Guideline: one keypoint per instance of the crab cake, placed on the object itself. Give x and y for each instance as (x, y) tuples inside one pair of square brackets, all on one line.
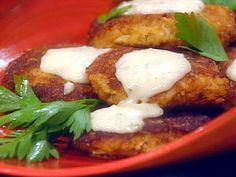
[(203, 85), (157, 30), (223, 67), (155, 133), (48, 87)]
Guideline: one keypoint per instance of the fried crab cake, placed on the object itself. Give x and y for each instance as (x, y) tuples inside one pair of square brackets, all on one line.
[(155, 133), (223, 66), (48, 87), (157, 30), (203, 85)]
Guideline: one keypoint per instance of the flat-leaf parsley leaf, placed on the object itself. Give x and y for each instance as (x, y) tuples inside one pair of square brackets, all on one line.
[(230, 3), (201, 35), (115, 12), (43, 122)]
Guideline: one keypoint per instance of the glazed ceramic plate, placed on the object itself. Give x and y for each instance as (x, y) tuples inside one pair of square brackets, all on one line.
[(28, 24)]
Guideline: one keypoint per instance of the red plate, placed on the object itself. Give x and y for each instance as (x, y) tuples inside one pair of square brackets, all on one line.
[(29, 24)]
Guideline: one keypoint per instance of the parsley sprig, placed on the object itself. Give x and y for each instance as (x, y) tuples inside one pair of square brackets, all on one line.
[(201, 35), (42, 122), (115, 12), (230, 3)]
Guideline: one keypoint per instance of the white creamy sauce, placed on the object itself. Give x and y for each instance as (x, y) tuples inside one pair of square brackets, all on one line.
[(68, 88), (148, 110), (163, 6), (143, 73), (231, 71), (70, 63), (127, 119)]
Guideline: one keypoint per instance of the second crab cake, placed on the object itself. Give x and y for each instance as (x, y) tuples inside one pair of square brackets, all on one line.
[(150, 23), (205, 84)]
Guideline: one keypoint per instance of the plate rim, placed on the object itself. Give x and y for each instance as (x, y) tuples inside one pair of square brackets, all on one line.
[(126, 163)]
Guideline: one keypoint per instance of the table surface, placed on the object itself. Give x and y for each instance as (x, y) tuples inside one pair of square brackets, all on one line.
[(221, 165)]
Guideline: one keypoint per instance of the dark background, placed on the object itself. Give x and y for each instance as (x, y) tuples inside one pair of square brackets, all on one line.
[(221, 165)]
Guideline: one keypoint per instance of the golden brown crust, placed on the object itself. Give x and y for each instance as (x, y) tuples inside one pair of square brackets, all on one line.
[(232, 84), (204, 85), (157, 30), (155, 133), (47, 87)]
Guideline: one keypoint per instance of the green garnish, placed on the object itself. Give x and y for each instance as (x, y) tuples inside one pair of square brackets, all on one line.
[(115, 12), (201, 35), (230, 3), (43, 122)]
